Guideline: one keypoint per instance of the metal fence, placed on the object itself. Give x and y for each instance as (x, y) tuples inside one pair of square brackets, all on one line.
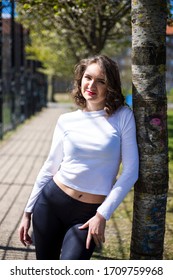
[(23, 88)]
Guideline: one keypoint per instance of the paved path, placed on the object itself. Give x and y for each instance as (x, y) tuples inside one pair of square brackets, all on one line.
[(21, 157)]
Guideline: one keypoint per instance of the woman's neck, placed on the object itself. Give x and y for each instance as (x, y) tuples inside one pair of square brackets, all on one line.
[(93, 107)]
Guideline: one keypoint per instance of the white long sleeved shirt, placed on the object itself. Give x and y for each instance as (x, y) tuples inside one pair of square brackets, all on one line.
[(86, 152)]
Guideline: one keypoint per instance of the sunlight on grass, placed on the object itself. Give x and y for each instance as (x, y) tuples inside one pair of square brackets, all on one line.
[(63, 98), (168, 251)]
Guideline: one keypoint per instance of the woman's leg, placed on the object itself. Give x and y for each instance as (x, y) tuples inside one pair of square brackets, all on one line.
[(74, 244), (56, 219), (48, 230)]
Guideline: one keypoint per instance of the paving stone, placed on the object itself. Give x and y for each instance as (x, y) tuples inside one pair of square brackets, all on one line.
[(21, 157)]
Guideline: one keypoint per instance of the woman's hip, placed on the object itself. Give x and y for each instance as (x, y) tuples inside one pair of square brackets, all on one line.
[(64, 206)]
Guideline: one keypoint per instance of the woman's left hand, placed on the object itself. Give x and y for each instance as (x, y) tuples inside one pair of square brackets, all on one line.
[(96, 230)]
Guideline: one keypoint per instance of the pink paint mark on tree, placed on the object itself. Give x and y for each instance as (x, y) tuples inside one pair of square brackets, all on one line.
[(155, 121)]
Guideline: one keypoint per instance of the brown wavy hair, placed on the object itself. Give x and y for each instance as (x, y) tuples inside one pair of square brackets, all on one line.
[(114, 96)]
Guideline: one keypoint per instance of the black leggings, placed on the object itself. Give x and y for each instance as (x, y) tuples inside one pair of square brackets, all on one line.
[(56, 218)]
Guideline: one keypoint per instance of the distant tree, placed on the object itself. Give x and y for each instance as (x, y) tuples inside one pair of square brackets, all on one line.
[(64, 31), (53, 53), (87, 27), (149, 19), (56, 60)]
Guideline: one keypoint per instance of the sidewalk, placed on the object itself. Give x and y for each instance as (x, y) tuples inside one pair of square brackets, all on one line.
[(21, 158)]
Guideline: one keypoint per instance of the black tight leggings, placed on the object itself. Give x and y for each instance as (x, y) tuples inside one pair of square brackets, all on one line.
[(56, 218)]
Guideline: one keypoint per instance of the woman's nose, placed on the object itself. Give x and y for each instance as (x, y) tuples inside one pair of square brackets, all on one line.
[(92, 84)]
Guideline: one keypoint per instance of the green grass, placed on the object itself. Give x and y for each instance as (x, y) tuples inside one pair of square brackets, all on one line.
[(63, 97), (168, 253), (170, 96), (170, 133), (7, 116)]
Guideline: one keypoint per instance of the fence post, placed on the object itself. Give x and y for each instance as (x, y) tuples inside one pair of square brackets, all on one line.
[(22, 77), (1, 93), (13, 84)]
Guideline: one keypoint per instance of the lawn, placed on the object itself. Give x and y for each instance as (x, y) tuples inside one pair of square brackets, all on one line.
[(168, 253)]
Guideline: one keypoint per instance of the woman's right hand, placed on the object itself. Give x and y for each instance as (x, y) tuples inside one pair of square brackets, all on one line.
[(24, 228)]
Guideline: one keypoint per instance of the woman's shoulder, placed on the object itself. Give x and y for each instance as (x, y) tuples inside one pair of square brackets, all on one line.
[(122, 117), (68, 116), (123, 111)]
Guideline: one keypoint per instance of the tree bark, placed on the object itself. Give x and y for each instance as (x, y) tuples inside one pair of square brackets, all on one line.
[(150, 109)]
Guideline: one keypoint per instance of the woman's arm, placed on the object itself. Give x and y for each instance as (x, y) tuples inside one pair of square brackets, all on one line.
[(130, 164), (24, 228), (50, 166)]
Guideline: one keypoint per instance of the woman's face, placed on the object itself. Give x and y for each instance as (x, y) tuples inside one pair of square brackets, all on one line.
[(94, 87)]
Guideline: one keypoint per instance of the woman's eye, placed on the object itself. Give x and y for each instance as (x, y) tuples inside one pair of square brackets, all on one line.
[(101, 82), (87, 77)]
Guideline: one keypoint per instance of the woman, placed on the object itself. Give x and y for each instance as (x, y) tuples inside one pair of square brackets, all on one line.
[(76, 190)]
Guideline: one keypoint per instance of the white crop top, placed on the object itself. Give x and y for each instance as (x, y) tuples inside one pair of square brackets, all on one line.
[(86, 153)]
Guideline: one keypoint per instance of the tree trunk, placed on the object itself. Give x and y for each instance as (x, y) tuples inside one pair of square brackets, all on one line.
[(150, 109)]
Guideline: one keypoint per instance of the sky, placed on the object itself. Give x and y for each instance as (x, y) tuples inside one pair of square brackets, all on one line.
[(171, 1), (6, 11)]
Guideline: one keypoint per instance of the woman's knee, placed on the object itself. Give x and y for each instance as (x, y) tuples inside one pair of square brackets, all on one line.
[(74, 244)]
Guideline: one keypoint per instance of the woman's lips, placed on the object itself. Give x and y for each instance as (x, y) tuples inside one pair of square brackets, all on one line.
[(90, 93)]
